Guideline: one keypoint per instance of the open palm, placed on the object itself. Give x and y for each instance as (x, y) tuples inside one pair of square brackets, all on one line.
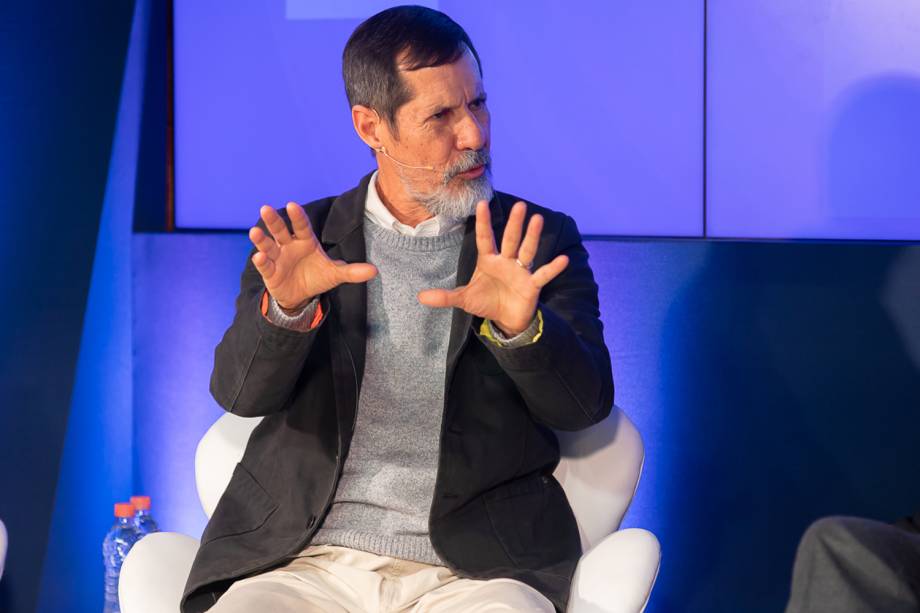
[(294, 267), (502, 288)]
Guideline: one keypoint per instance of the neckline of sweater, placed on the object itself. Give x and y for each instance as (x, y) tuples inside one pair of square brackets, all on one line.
[(415, 243)]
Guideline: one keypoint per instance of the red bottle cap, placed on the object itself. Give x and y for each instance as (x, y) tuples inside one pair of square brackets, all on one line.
[(124, 509), (141, 503)]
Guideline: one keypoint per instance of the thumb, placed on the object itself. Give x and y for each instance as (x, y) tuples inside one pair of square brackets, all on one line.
[(440, 298), (355, 273)]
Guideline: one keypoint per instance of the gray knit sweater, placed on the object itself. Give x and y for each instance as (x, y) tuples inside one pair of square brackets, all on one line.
[(384, 497)]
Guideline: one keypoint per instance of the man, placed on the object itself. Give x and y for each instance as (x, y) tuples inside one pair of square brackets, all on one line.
[(406, 456), (857, 565)]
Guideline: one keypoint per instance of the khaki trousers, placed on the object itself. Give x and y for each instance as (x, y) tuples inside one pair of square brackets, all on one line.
[(340, 580)]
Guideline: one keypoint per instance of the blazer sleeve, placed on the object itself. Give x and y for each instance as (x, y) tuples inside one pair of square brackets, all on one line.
[(564, 376), (257, 363)]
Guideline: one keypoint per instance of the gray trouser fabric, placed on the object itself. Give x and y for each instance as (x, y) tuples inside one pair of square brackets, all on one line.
[(854, 565)]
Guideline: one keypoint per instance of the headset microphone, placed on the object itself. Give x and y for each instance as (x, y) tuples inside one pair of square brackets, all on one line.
[(383, 150)]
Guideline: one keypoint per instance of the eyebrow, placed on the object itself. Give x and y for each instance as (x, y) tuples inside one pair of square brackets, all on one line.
[(433, 110)]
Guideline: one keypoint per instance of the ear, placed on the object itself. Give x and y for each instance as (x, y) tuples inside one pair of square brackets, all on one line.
[(368, 125)]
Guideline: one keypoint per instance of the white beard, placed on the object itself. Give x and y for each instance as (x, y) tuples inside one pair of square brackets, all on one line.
[(459, 203)]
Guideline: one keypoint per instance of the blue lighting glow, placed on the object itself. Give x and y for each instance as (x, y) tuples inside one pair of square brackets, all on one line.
[(97, 460)]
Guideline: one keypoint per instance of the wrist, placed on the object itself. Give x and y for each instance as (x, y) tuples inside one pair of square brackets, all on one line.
[(508, 331), (513, 329), (294, 309), (530, 335)]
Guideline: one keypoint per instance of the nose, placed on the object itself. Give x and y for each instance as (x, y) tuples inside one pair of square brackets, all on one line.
[(472, 132)]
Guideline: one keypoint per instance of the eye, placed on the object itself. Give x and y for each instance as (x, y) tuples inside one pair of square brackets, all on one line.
[(439, 115), (478, 103)]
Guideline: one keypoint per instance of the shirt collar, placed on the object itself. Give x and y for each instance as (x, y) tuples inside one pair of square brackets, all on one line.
[(377, 212)]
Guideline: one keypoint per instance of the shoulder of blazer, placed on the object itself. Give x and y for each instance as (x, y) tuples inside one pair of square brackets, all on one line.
[(317, 212), (554, 221)]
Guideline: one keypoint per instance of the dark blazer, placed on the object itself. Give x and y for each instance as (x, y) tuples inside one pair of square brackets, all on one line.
[(497, 511)]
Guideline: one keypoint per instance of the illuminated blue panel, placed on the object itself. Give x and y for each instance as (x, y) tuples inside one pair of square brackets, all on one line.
[(813, 127), (260, 112), (596, 111), (178, 320), (341, 9)]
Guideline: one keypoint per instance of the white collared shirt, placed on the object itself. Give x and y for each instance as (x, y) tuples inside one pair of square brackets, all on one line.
[(376, 211)]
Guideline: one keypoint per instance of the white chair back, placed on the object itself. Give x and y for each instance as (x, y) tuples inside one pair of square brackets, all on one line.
[(599, 470), (218, 452), (3, 542)]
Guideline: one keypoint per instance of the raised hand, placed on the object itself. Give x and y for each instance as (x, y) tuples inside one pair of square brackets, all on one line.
[(294, 267), (502, 289)]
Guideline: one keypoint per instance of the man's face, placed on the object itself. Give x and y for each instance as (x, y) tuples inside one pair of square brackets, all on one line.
[(445, 125)]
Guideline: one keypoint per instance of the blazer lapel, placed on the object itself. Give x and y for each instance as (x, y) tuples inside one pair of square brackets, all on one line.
[(343, 239)]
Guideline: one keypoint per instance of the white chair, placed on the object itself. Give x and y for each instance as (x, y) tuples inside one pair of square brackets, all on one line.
[(599, 471), (3, 542)]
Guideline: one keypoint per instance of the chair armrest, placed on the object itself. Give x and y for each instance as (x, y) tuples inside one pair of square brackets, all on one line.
[(617, 575), (154, 573)]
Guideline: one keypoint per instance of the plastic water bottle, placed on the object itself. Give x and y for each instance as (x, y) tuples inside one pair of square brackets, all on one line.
[(115, 548), (143, 520)]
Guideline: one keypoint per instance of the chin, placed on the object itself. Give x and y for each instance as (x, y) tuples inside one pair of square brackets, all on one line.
[(472, 191), (457, 198)]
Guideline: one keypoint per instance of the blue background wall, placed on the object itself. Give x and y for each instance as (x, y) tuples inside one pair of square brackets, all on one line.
[(61, 70), (773, 382)]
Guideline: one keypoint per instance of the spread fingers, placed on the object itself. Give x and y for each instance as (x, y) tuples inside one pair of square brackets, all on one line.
[(275, 225), (264, 243)]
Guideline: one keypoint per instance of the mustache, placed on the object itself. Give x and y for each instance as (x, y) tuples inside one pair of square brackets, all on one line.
[(468, 160)]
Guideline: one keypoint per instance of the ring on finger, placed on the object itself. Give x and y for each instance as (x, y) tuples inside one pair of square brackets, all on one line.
[(523, 265)]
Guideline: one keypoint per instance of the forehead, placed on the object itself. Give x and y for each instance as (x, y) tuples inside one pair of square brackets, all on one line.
[(447, 84)]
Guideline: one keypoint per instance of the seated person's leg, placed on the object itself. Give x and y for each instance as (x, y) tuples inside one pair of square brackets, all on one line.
[(274, 593), (474, 596), (307, 583), (850, 565)]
